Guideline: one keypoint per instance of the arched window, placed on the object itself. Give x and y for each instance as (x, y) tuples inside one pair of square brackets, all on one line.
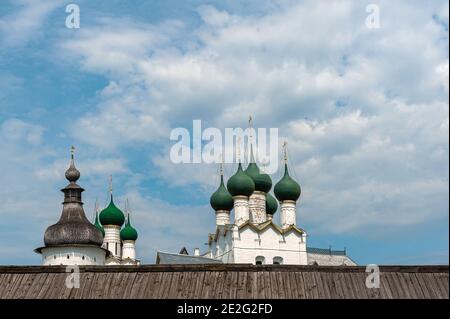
[(259, 260), (277, 260)]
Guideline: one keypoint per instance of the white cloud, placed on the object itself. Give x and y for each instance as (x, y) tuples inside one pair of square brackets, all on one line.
[(365, 111), (26, 23)]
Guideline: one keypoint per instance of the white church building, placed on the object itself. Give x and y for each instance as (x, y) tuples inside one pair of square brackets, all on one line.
[(253, 236)]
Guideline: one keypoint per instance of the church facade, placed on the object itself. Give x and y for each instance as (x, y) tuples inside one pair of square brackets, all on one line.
[(251, 235)]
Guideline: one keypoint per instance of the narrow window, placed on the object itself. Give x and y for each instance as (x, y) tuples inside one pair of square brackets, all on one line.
[(259, 260), (277, 260)]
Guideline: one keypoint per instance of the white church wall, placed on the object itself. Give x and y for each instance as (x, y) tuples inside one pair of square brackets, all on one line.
[(73, 256), (270, 245)]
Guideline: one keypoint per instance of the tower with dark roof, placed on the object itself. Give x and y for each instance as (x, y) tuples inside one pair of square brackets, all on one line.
[(73, 240)]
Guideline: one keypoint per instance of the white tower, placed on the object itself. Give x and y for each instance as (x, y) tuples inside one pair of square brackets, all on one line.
[(287, 191), (240, 186), (73, 240), (128, 235), (222, 202), (112, 219)]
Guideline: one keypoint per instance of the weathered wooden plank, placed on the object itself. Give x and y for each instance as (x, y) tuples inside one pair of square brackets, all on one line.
[(12, 284), (300, 285), (390, 280), (138, 285), (205, 282), (151, 286), (46, 286), (85, 286), (129, 283), (442, 284), (265, 281), (22, 287), (36, 286), (58, 285), (199, 283), (217, 293), (241, 285), (172, 291), (385, 289), (227, 284), (251, 286)]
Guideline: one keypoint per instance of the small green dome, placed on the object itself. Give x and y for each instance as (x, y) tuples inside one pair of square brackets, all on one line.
[(287, 188), (98, 225), (240, 183), (128, 232), (112, 215), (271, 204), (262, 181), (221, 199)]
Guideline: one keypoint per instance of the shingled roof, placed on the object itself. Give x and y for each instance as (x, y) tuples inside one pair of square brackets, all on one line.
[(223, 281)]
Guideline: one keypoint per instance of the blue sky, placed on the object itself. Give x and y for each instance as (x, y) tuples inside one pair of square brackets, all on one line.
[(365, 112)]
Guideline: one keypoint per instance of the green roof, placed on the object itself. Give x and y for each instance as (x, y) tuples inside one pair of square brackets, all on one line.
[(271, 204), (98, 225), (221, 199), (112, 215), (262, 181), (240, 183), (287, 188), (128, 232)]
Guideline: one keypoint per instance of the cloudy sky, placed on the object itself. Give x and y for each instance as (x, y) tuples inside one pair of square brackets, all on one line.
[(365, 112)]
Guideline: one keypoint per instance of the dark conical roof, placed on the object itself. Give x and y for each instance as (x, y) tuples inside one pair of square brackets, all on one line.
[(73, 228)]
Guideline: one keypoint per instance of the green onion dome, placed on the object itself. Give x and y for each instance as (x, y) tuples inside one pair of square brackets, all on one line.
[(221, 199), (240, 183), (287, 188), (98, 225), (112, 215), (262, 181), (271, 204), (128, 232)]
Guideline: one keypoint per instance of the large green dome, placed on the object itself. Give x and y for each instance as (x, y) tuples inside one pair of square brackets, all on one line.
[(262, 181), (112, 215), (240, 183), (271, 204), (221, 199), (128, 232), (287, 188), (98, 225)]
